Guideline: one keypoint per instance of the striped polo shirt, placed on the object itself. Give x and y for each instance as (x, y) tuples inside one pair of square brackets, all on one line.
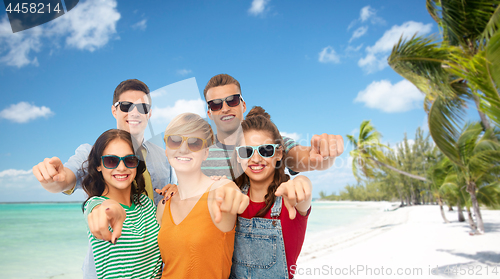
[(136, 253), (219, 157)]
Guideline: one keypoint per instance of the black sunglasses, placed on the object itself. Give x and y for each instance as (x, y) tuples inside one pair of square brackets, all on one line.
[(112, 161), (231, 101), (264, 150), (129, 106)]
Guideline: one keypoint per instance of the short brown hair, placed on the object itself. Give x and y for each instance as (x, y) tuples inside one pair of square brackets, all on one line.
[(130, 84), (220, 80)]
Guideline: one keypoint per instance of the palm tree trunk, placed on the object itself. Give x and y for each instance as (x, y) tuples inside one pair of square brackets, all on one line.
[(471, 188), (471, 221), (442, 211), (398, 171), (484, 119), (461, 217)]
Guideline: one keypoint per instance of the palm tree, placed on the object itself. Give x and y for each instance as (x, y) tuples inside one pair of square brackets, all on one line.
[(475, 161), (464, 64), (368, 154)]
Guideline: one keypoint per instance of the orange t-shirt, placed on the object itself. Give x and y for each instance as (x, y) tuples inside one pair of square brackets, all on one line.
[(195, 248)]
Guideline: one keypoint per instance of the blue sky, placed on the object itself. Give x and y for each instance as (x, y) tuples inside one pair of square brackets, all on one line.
[(316, 67)]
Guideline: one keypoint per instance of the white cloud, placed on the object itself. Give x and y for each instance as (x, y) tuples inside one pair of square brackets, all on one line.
[(258, 7), (164, 115), (376, 57), (349, 48), (141, 25), (400, 97), (333, 179), (22, 186), (89, 26), (16, 47), (294, 136), (328, 55), (365, 13), (24, 112), (14, 173), (184, 72), (359, 32)]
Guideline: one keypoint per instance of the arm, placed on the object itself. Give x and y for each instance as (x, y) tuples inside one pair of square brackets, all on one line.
[(296, 194), (101, 216), (319, 156), (53, 176), (225, 203)]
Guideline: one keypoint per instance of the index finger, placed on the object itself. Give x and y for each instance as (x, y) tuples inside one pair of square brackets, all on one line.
[(340, 145), (323, 146), (332, 145)]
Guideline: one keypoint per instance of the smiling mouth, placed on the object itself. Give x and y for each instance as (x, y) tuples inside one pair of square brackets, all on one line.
[(121, 177), (227, 118), (256, 168), (133, 122), (183, 159)]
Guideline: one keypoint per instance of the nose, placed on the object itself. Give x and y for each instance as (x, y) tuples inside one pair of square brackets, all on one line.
[(121, 166), (184, 147), (134, 111), (255, 157), (225, 107)]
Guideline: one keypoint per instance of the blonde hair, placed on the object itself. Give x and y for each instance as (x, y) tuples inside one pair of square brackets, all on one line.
[(188, 123)]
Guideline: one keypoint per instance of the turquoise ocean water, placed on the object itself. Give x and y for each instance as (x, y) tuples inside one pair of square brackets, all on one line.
[(48, 240)]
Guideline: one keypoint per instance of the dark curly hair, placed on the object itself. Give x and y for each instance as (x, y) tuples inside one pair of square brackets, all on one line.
[(93, 184), (258, 119)]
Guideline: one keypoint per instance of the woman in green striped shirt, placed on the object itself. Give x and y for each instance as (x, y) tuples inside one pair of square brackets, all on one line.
[(130, 249)]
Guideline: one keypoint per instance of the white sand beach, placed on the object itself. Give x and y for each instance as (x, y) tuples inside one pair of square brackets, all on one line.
[(408, 242)]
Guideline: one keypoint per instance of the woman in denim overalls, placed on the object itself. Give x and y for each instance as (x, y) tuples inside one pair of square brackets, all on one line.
[(269, 234)]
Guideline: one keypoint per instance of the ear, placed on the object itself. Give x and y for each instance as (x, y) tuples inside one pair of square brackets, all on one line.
[(98, 168), (206, 154), (209, 113), (244, 106), (113, 111), (279, 154), (150, 113)]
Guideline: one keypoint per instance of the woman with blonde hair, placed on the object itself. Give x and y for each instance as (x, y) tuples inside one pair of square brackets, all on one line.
[(196, 237)]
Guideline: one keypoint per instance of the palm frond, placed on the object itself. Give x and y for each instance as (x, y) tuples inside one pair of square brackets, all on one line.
[(464, 22), (480, 72), (491, 28), (445, 117), (420, 60)]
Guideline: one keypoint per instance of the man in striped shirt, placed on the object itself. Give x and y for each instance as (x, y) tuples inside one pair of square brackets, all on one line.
[(226, 107)]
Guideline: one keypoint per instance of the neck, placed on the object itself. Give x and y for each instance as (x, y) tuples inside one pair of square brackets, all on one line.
[(230, 138), (258, 190), (192, 184), (121, 196), (139, 138)]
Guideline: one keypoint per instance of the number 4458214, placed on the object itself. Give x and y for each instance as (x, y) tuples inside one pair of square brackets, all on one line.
[(32, 8)]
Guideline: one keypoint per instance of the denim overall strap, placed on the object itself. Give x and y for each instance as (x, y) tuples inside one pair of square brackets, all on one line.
[(259, 249), (276, 209), (245, 189)]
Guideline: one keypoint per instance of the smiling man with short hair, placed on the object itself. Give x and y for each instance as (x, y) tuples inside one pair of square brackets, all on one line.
[(226, 107)]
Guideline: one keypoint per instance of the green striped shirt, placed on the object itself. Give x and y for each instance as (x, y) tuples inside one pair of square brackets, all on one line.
[(136, 253)]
